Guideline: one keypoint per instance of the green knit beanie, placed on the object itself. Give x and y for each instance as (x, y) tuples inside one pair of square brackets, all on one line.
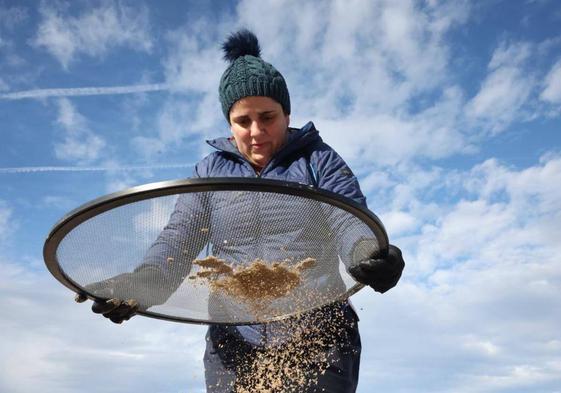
[(248, 75)]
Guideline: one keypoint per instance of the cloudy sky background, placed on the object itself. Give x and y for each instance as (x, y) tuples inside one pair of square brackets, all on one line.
[(448, 111)]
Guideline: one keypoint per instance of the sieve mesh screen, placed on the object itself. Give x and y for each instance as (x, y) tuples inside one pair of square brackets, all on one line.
[(261, 237)]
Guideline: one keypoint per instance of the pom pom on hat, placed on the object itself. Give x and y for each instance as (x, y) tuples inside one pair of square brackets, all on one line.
[(248, 75), (241, 43)]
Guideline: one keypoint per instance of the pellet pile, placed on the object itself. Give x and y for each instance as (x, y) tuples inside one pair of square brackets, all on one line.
[(258, 281)]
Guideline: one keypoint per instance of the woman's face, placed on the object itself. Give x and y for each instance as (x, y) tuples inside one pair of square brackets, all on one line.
[(259, 126)]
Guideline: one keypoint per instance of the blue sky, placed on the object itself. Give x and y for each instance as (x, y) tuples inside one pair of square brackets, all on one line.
[(448, 111)]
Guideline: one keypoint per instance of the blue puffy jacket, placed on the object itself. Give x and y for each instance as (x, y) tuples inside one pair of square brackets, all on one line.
[(305, 159)]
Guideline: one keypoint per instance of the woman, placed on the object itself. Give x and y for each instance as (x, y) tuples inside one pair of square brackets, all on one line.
[(256, 104)]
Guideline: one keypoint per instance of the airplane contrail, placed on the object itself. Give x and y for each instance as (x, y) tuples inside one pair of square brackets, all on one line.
[(34, 169), (84, 91)]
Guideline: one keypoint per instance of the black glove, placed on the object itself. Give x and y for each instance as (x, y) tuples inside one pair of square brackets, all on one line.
[(116, 289), (381, 272)]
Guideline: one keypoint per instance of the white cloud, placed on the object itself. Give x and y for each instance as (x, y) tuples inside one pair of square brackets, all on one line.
[(92, 33), (182, 124), (5, 217), (398, 222), (355, 68), (394, 48), (391, 139), (118, 179), (446, 15), (470, 226), (466, 322), (482, 277), (148, 146), (506, 89), (533, 189), (194, 62), (83, 91), (61, 203), (109, 166), (512, 214), (151, 220), (60, 353), (413, 43), (516, 377), (176, 122), (118, 183), (193, 66), (510, 54), (552, 90), (79, 144), (484, 347)]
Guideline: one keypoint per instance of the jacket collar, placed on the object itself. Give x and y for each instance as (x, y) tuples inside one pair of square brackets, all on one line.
[(297, 139)]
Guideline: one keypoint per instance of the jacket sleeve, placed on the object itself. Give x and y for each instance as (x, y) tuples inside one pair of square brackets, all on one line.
[(333, 174), (183, 237)]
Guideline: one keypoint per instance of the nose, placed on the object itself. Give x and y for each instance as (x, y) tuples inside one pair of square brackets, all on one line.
[(256, 127)]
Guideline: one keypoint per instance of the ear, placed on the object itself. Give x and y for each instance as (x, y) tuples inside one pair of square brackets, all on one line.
[(287, 120)]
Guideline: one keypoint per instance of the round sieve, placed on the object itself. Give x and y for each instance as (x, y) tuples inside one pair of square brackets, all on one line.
[(230, 250)]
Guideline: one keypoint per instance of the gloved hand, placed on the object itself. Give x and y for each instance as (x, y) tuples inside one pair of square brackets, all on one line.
[(381, 272), (116, 289)]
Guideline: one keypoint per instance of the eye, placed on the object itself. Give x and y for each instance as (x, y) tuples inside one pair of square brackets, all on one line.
[(266, 117), (243, 122)]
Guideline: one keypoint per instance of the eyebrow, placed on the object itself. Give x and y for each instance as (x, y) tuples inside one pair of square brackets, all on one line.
[(239, 118), (267, 112)]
